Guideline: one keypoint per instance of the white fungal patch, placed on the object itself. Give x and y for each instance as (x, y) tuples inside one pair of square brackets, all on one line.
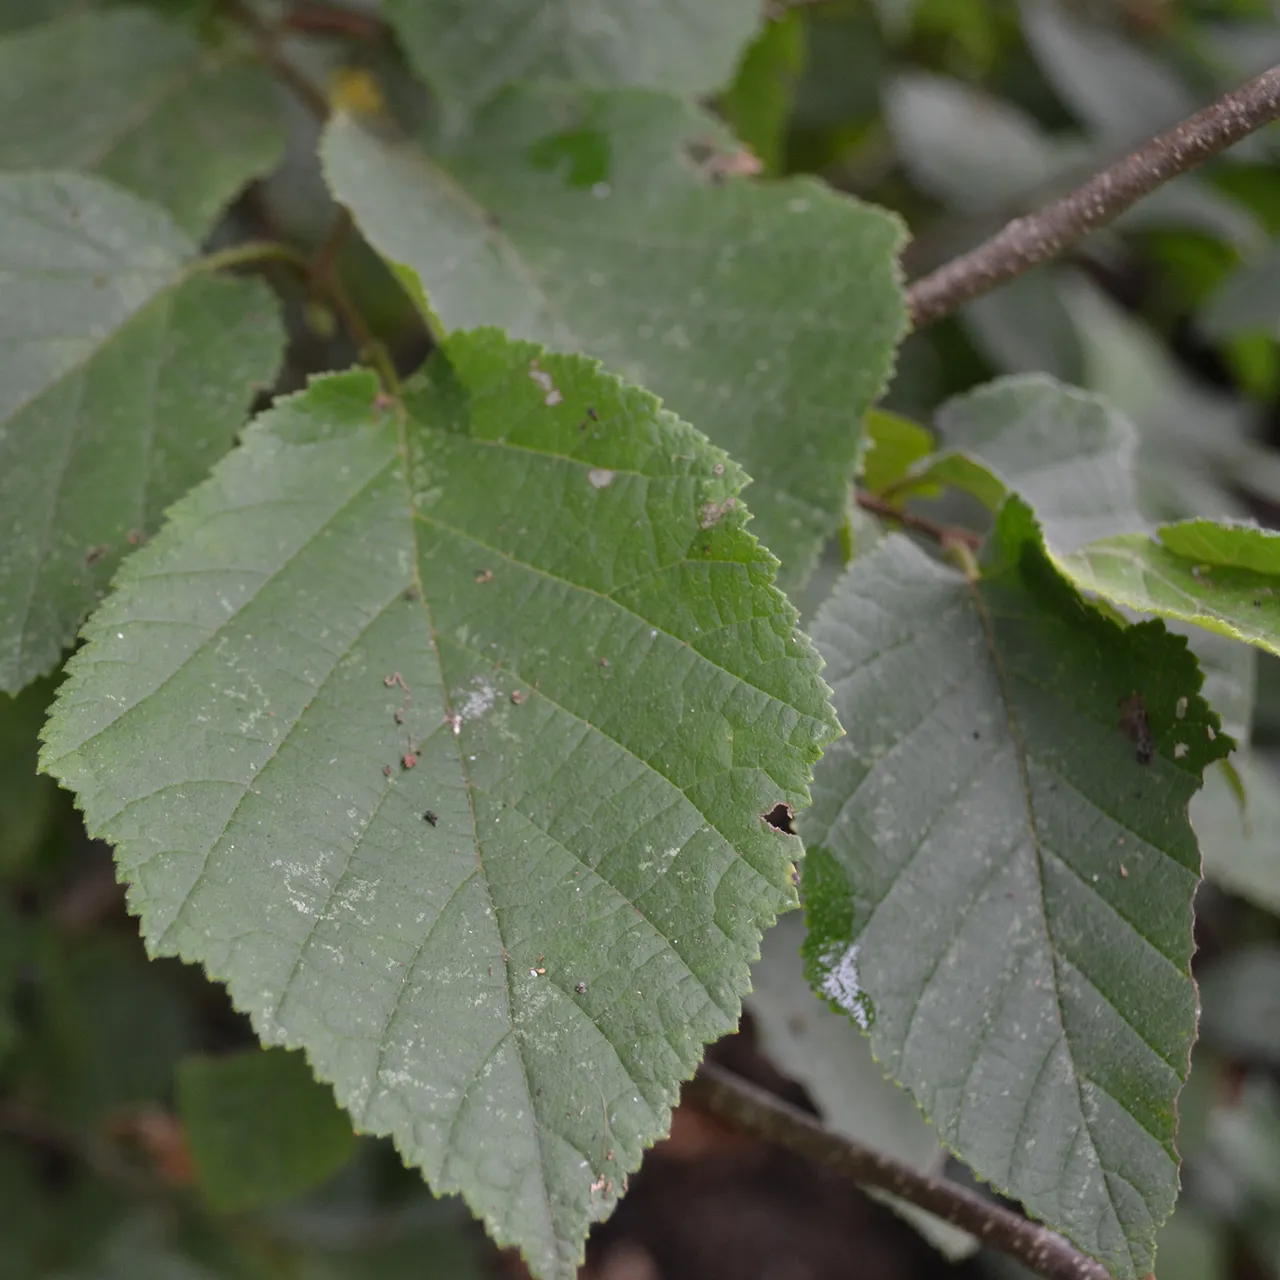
[(841, 984), (599, 478), (1181, 709), (479, 700)]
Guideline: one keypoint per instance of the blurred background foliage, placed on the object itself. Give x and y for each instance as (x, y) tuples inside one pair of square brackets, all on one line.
[(122, 1081)]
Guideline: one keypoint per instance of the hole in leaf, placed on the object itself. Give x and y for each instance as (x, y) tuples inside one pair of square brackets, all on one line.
[(780, 818)]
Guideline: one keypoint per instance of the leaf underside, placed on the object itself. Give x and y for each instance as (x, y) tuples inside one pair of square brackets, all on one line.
[(122, 380), (1019, 951), (444, 741), (767, 314), (1067, 453), (1224, 578)]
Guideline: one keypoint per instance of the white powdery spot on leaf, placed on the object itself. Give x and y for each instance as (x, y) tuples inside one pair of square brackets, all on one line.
[(479, 700), (841, 984)]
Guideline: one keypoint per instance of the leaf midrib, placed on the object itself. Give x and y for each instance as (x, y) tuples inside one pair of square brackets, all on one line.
[(407, 472), (974, 589)]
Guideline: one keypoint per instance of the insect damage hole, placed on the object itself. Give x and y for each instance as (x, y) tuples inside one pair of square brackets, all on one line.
[(781, 818)]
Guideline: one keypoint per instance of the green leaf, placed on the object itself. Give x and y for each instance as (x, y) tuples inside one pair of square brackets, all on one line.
[(468, 52), (1001, 873), (260, 1127), (444, 739), (765, 314), (894, 446), (1222, 577), (138, 99), (125, 374), (757, 105), (1067, 453)]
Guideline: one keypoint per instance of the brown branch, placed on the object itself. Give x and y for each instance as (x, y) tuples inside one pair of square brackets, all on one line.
[(761, 1114), (326, 276), (313, 17), (265, 38), (1025, 242), (945, 535)]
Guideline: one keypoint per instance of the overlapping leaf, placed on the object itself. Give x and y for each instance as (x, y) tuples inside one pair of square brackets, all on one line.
[(894, 445), (1001, 872), (1072, 455), (124, 374), (1069, 454), (138, 99), (1222, 577), (467, 52), (765, 314), (259, 1126), (444, 738)]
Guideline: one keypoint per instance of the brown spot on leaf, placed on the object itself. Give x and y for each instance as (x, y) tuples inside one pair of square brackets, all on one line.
[(711, 513), (717, 165)]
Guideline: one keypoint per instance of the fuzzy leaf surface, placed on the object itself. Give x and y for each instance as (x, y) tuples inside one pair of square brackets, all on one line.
[(123, 377), (468, 52), (137, 98), (1222, 577), (443, 739), (999, 889), (766, 314)]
